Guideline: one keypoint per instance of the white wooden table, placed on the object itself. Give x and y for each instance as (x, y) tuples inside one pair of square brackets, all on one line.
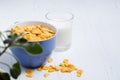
[(96, 35)]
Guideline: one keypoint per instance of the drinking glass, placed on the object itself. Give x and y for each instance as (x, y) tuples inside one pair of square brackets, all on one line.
[(63, 22)]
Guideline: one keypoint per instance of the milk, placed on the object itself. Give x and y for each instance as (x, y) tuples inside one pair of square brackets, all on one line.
[(64, 34)]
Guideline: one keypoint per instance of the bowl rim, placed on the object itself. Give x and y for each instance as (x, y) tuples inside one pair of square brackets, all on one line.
[(40, 22)]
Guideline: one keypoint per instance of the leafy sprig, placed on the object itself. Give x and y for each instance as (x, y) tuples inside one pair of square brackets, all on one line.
[(15, 40)]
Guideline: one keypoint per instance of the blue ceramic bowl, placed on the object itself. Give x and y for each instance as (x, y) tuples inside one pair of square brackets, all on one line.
[(33, 61)]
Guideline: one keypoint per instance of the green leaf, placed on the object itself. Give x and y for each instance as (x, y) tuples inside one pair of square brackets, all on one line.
[(10, 38), (4, 76), (15, 71), (21, 40), (34, 49)]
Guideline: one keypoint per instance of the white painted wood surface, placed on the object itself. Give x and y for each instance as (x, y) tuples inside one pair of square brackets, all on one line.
[(96, 35)]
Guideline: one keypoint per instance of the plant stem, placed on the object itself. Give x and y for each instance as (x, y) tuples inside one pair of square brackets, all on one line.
[(6, 46), (5, 49)]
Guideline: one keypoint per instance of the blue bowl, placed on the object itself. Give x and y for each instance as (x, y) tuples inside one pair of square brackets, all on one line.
[(33, 61)]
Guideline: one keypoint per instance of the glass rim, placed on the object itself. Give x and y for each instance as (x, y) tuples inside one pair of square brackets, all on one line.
[(69, 19)]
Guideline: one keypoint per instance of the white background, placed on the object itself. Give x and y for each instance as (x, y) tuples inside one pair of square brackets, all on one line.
[(96, 35)]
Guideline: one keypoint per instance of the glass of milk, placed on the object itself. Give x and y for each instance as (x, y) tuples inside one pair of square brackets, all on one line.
[(63, 22)]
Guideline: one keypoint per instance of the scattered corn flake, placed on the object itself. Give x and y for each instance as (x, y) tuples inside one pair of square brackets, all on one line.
[(57, 68), (39, 69), (50, 60), (79, 72), (46, 75), (51, 68), (45, 67), (65, 61), (61, 64), (64, 67), (29, 73), (29, 70)]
